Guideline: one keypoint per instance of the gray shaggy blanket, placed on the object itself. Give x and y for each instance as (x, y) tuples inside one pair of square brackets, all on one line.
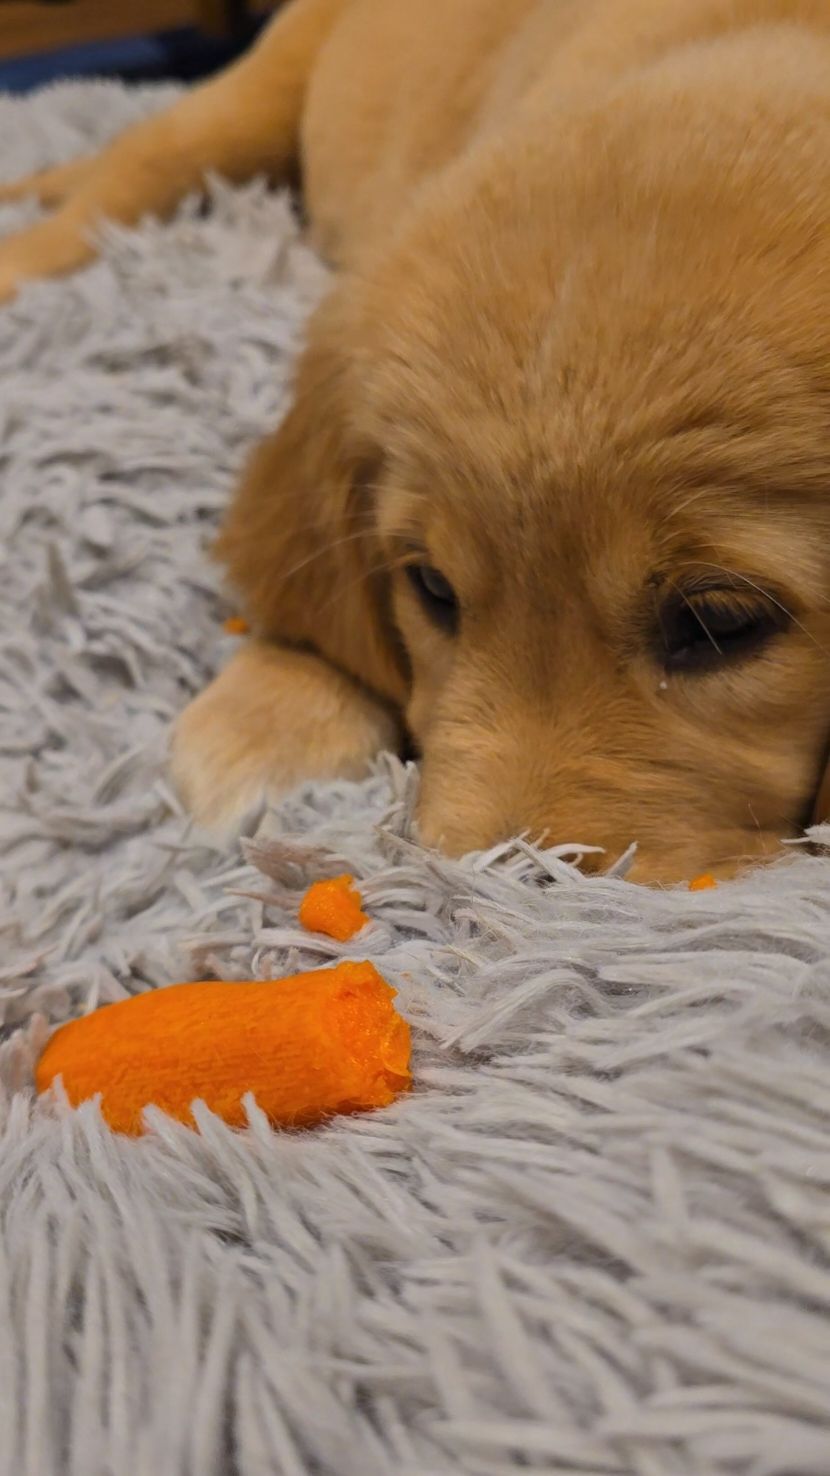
[(595, 1238)]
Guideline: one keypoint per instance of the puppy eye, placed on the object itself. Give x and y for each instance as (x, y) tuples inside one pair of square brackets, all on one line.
[(436, 594), (704, 631)]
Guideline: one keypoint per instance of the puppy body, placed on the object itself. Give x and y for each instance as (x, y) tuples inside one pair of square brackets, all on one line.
[(577, 359)]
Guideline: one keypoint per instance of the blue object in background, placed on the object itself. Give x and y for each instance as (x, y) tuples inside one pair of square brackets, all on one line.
[(182, 55)]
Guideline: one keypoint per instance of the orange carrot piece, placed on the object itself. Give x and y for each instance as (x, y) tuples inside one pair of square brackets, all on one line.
[(307, 1047), (333, 907), (236, 625), (702, 883)]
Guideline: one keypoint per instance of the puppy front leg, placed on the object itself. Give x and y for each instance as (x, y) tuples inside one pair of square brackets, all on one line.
[(49, 186), (273, 718)]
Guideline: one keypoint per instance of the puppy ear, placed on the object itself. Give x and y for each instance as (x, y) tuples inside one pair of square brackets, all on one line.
[(299, 542)]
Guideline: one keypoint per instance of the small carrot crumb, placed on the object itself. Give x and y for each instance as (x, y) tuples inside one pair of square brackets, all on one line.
[(333, 907), (236, 625), (702, 883)]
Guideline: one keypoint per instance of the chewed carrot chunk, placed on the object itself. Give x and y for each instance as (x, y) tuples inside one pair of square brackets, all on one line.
[(307, 1047), (333, 907), (702, 883), (236, 625)]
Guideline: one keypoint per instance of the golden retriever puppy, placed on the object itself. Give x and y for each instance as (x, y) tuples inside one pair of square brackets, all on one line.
[(554, 491)]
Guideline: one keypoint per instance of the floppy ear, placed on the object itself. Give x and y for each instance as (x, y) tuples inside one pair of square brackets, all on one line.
[(299, 542)]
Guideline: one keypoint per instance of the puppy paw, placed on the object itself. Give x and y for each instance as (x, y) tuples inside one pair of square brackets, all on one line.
[(271, 720), (51, 248), (49, 186)]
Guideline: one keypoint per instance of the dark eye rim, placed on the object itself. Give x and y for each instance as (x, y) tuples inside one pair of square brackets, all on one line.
[(435, 594), (706, 628)]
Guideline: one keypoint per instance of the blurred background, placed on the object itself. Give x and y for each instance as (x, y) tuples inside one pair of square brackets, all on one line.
[(42, 41)]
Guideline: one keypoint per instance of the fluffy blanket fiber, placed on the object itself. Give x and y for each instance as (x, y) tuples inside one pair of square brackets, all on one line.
[(596, 1236)]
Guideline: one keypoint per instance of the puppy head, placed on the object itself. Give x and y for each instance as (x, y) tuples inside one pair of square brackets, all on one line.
[(557, 474), (603, 413), (622, 676)]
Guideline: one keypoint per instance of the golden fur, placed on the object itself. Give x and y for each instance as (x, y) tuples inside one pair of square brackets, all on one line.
[(577, 359)]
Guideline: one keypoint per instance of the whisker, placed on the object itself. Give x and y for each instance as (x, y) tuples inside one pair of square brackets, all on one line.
[(748, 858), (694, 497), (319, 553), (383, 566), (744, 579)]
